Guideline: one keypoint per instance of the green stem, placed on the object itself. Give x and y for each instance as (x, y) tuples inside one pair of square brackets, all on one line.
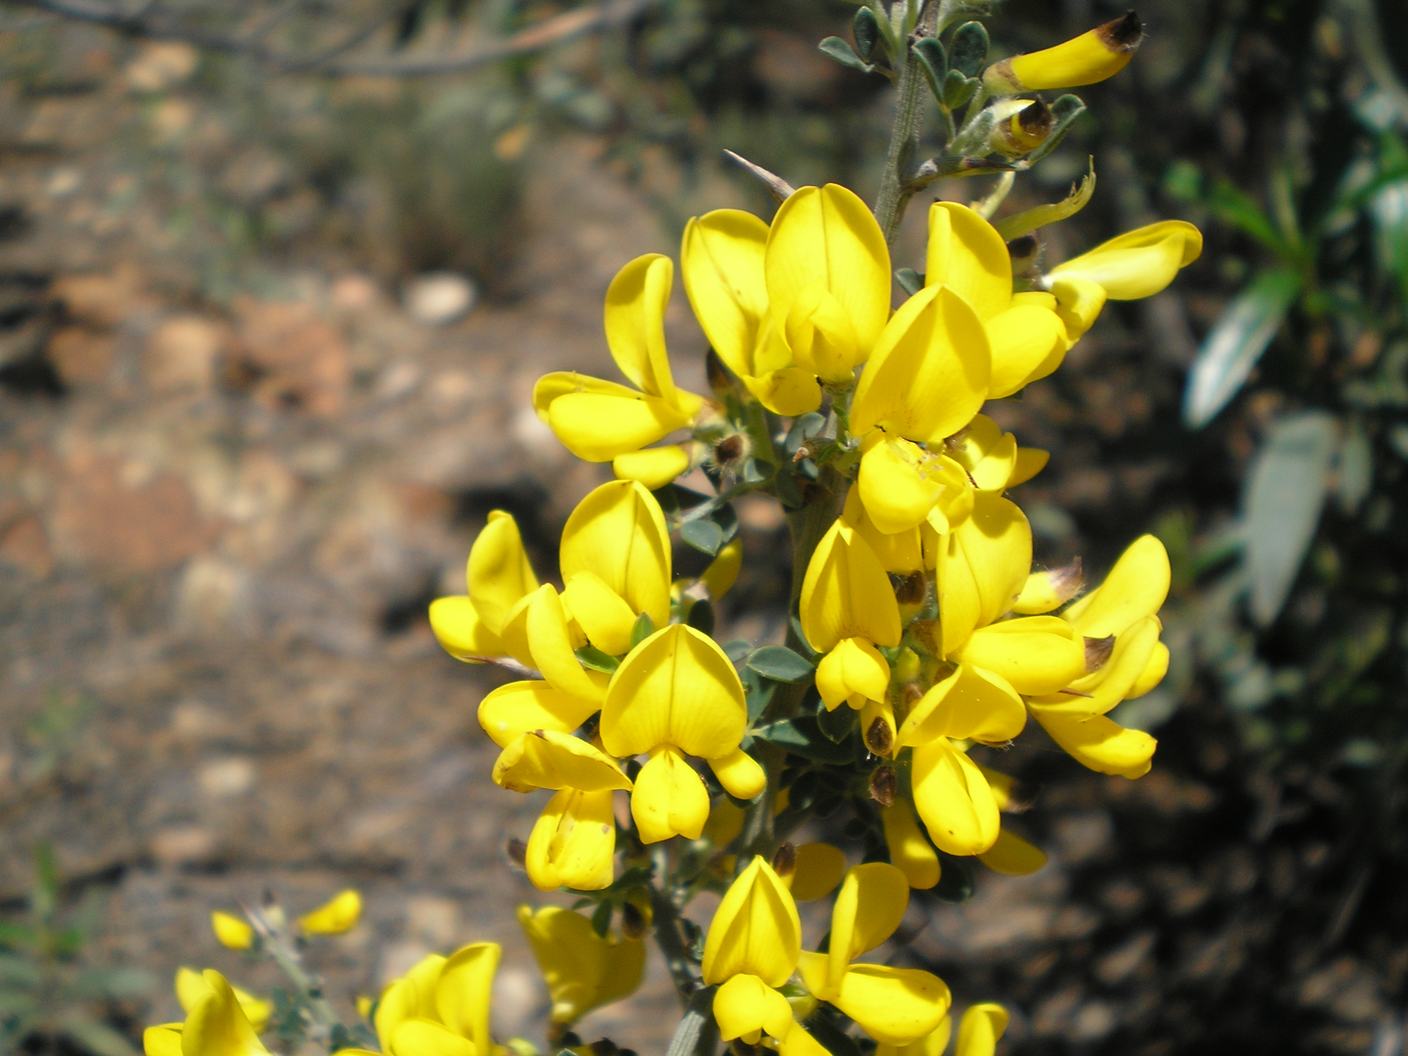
[(665, 923), (895, 191), (281, 950)]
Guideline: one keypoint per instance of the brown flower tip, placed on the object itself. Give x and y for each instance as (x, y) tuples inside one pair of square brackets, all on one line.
[(884, 786), (879, 738), (1097, 651), (1124, 33), (784, 859)]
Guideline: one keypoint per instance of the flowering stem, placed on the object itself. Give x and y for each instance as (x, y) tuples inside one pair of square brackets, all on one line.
[(665, 922), (895, 189), (282, 951)]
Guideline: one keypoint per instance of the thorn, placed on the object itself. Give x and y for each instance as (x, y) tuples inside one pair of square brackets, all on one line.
[(780, 188)]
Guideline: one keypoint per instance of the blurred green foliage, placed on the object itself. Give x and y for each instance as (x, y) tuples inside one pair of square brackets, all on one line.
[(52, 998)]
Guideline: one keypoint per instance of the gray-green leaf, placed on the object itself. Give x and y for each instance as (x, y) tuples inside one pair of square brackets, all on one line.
[(1235, 344), (1285, 493)]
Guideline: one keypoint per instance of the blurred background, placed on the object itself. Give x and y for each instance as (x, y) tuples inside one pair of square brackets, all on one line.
[(276, 279)]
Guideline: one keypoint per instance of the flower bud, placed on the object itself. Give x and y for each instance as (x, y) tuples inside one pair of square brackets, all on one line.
[(1094, 56), (1022, 125)]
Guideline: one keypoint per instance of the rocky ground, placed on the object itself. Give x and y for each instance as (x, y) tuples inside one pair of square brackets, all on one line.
[(220, 522)]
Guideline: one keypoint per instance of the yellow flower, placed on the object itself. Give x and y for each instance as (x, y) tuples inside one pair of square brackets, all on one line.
[(678, 694), (232, 932), (751, 949), (1094, 56), (573, 842), (334, 917), (967, 255), (1123, 607), (599, 421), (192, 988), (814, 871), (1128, 267), (910, 850), (499, 575), (441, 1006), (978, 1033), (926, 379), (893, 1005), (216, 1024), (583, 970)]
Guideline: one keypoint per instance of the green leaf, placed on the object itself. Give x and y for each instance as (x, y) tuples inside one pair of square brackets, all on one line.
[(934, 62), (837, 724), (957, 90), (601, 919), (1285, 492), (955, 879), (18, 971), (1389, 211), (802, 736), (866, 31), (642, 629), (910, 280), (803, 429), (697, 1033), (1354, 469), (96, 1038), (17, 936), (1235, 207), (759, 692), (968, 48), (838, 49), (703, 535), (701, 616), (781, 664), (1029, 220), (113, 984), (594, 658), (1235, 344)]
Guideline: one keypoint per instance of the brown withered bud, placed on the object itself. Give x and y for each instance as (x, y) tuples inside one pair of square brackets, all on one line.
[(910, 588), (1067, 580), (1022, 126), (1025, 251), (784, 859), (1097, 651), (517, 852), (883, 785), (879, 738), (911, 694), (1124, 33), (720, 383), (802, 454), (728, 450)]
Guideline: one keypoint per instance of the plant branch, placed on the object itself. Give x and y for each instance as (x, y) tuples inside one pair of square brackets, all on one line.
[(895, 188)]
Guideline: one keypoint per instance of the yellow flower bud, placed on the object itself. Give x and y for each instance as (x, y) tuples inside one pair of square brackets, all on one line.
[(231, 931), (1094, 56), (339, 914)]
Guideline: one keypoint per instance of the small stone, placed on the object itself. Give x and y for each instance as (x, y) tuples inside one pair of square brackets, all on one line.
[(294, 358), (63, 181), (439, 298), (100, 300), (25, 544), (160, 65), (222, 778), (354, 292), (214, 598), (432, 919), (182, 844), (183, 355), (81, 356)]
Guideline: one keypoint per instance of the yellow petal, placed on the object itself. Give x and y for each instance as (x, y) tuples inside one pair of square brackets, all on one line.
[(979, 1030), (846, 593), (461, 631), (669, 798), (894, 1006), (512, 710), (901, 483), (722, 572), (1079, 302), (162, 1040), (969, 704), (1102, 689), (827, 239), (598, 426), (677, 687), (192, 988), (573, 843), (1030, 462), (635, 323), (1013, 856), (799, 1043), (1098, 743), (217, 1026), (1049, 589), (654, 467), (739, 773), (1155, 668), (910, 850), (582, 969), (852, 673), (820, 867), (339, 914), (1028, 343), (722, 261), (898, 552), (1136, 264), (929, 372), (986, 452), (953, 799), (789, 391), (425, 1037), (618, 533), (821, 336), (980, 568), (932, 1044), (603, 615), (755, 930), (498, 570), (1090, 58), (1135, 588), (410, 997), (552, 648), (232, 932), (549, 759), (868, 909), (745, 1006), (966, 254), (464, 992), (1035, 654)]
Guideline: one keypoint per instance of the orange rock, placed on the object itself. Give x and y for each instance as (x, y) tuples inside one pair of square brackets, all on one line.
[(80, 356)]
